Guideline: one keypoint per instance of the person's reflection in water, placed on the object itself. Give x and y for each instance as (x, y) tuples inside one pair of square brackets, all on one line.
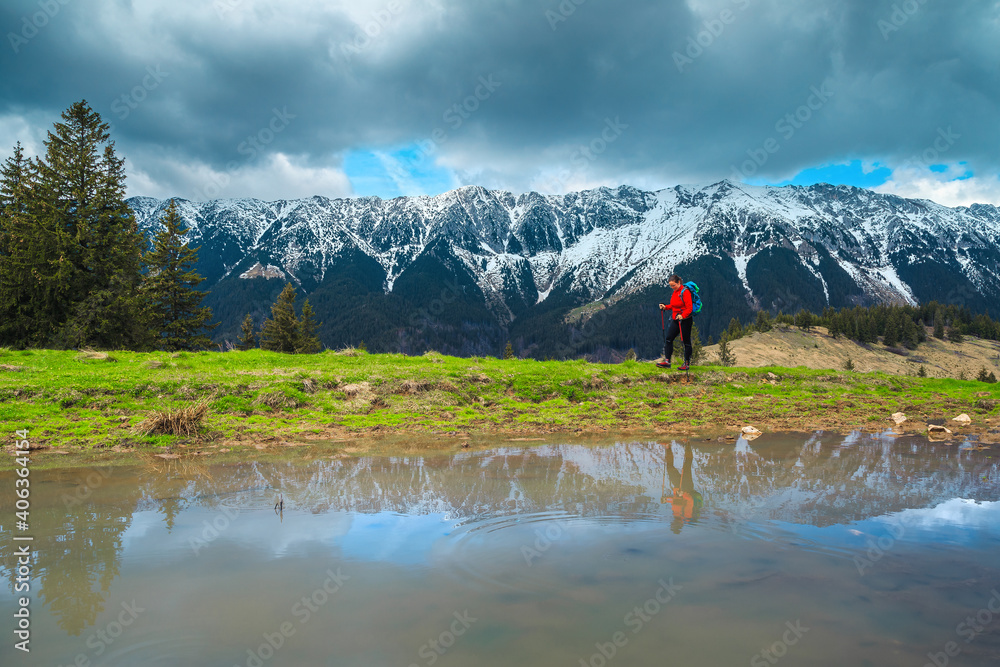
[(684, 500)]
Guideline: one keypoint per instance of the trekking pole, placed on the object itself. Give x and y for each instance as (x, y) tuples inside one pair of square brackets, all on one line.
[(663, 326), (687, 362)]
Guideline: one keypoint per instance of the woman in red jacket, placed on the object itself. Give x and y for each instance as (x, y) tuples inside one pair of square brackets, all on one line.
[(681, 308)]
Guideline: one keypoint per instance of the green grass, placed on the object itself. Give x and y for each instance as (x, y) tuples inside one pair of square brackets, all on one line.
[(67, 401)]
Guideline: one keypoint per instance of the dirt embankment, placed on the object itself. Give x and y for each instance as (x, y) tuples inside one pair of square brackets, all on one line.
[(791, 347)]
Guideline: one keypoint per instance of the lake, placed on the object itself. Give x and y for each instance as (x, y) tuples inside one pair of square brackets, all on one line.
[(799, 549)]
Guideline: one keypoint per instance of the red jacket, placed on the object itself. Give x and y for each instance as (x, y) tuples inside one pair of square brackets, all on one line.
[(681, 303)]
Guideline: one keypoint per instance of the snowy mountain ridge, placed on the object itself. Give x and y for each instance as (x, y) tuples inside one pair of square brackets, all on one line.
[(603, 243)]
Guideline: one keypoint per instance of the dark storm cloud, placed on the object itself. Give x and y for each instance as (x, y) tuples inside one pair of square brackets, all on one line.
[(703, 85)]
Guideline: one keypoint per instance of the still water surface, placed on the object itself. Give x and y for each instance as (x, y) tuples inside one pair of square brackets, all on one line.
[(793, 549)]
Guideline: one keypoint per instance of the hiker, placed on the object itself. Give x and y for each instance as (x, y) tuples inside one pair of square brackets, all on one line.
[(685, 502), (681, 307)]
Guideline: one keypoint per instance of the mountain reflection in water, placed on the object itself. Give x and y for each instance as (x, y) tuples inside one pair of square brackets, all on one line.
[(515, 522)]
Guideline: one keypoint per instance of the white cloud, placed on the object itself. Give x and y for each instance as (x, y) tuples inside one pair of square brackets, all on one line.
[(943, 187), (278, 176)]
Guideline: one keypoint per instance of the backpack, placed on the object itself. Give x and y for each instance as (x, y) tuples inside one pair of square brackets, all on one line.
[(695, 297)]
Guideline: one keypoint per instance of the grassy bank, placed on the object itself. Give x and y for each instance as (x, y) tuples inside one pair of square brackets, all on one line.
[(71, 400)]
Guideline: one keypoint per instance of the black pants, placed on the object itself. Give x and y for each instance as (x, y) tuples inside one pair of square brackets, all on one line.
[(682, 327)]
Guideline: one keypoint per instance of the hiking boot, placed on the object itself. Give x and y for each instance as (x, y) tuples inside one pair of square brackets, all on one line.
[(683, 368), (663, 364)]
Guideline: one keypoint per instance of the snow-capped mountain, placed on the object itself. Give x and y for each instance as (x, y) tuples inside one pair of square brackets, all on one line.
[(517, 257)]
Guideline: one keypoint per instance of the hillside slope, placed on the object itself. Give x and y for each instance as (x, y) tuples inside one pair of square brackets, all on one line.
[(790, 347)]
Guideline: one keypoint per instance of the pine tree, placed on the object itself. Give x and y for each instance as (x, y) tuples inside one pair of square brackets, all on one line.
[(735, 330), (177, 320), (763, 323), (85, 247), (726, 357), (804, 320), (508, 352), (913, 334), (281, 332), (18, 244), (248, 336), (890, 339), (697, 348), (939, 325), (308, 340), (986, 376), (833, 326), (954, 335)]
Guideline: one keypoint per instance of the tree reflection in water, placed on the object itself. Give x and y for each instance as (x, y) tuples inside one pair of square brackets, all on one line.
[(819, 479)]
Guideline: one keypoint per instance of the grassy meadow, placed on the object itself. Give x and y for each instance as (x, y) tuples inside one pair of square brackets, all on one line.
[(97, 401)]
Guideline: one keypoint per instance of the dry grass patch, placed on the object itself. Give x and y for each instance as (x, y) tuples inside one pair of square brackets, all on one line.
[(87, 354), (358, 390), (185, 421), (414, 387), (277, 400)]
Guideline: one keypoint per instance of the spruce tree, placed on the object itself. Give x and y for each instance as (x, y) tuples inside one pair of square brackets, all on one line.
[(939, 325), (891, 336), (804, 320), (508, 352), (913, 334), (18, 244), (86, 247), (726, 357), (763, 323), (248, 336), (308, 340), (697, 348), (735, 330), (281, 332), (177, 319)]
